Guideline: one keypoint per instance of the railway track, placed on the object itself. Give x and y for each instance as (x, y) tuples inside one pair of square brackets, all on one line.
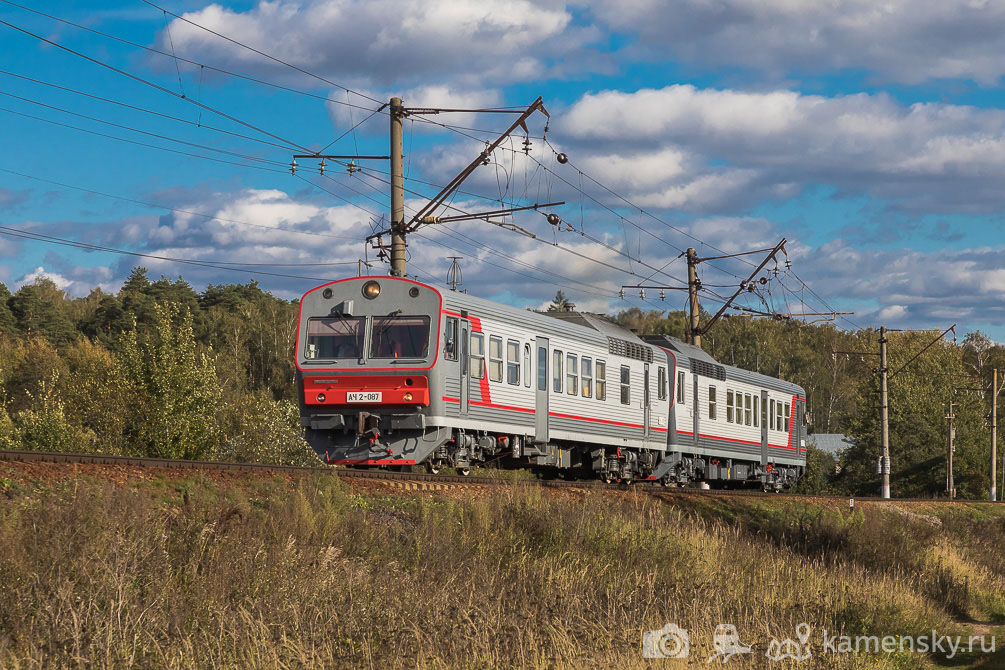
[(421, 480)]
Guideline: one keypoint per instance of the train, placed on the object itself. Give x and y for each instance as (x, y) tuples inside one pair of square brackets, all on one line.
[(392, 372)]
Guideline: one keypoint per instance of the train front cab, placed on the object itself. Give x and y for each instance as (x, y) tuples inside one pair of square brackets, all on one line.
[(367, 348)]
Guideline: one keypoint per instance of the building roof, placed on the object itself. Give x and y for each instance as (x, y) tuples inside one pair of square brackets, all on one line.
[(832, 443)]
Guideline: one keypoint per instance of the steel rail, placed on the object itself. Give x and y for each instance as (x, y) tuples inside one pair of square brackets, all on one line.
[(386, 475)]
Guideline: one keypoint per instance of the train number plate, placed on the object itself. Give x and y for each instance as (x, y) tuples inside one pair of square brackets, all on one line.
[(363, 396)]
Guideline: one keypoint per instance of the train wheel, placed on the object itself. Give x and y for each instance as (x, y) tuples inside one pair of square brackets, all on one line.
[(434, 467), (464, 472), (605, 477)]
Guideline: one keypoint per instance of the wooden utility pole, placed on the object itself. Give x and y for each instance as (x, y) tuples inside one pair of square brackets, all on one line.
[(884, 414), (397, 192), (995, 390), (694, 334), (950, 485)]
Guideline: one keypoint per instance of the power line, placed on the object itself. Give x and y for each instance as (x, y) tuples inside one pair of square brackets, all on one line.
[(229, 73), (195, 145), (262, 53), (152, 84), (141, 109), (142, 144), (209, 217), (50, 239)]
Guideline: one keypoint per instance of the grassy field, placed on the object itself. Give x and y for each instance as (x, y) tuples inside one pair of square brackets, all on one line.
[(271, 573)]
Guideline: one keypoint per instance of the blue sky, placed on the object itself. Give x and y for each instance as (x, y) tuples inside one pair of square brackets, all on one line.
[(870, 136)]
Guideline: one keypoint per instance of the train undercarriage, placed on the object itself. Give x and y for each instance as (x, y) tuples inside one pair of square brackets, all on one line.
[(366, 439)]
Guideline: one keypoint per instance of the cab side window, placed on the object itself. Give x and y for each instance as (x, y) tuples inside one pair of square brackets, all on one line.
[(450, 345)]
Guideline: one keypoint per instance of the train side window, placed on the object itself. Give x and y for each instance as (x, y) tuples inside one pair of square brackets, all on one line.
[(757, 412), (680, 387), (542, 368), (477, 356), (601, 380), (513, 362), (778, 415), (451, 344), (526, 365), (495, 359), (626, 385), (661, 380), (770, 405), (571, 374), (729, 406), (556, 372), (711, 403), (747, 409), (787, 409), (587, 378)]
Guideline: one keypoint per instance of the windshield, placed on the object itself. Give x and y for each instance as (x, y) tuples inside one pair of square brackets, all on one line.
[(400, 337), (335, 337)]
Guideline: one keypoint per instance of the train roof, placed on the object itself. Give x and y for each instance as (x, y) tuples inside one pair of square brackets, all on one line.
[(701, 363), (687, 355)]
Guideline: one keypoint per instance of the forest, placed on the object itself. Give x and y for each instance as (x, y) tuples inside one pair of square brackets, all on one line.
[(162, 370)]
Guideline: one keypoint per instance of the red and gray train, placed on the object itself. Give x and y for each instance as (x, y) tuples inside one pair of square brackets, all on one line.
[(393, 372)]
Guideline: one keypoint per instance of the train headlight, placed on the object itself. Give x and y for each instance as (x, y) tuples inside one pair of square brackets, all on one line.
[(321, 397), (371, 290), (407, 397)]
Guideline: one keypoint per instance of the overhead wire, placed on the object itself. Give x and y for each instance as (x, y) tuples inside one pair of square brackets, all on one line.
[(153, 85), (262, 53), (144, 110), (120, 126), (209, 217), (51, 239), (206, 66)]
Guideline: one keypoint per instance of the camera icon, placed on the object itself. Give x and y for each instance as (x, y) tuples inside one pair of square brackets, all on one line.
[(671, 641)]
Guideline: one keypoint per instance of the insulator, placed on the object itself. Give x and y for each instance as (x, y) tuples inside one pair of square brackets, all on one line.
[(663, 294), (293, 167), (323, 166), (642, 293), (750, 289), (621, 294), (553, 219), (526, 145), (562, 158), (788, 264), (763, 280)]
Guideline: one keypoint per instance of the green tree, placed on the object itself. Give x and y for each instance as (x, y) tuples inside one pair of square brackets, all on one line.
[(174, 390), (92, 390), (267, 431), (8, 324), (41, 309), (560, 304)]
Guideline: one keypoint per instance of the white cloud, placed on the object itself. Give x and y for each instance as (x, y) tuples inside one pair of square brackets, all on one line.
[(900, 40), (723, 149), (80, 282), (387, 41)]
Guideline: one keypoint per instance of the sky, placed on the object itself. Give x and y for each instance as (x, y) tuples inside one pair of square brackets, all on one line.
[(868, 135)]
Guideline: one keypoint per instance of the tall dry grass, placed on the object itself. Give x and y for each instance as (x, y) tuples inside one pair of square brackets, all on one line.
[(187, 574)]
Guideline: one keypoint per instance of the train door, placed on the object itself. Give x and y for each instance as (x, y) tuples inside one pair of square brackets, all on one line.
[(456, 363), (646, 402), (694, 410), (541, 399), (764, 429), (465, 371)]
